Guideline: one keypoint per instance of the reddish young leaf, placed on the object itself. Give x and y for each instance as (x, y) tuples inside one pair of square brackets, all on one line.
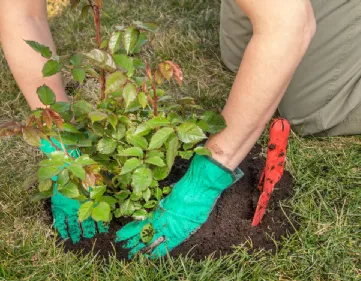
[(177, 72), (149, 72), (50, 116), (10, 128), (166, 70), (99, 3), (56, 118), (47, 118), (158, 77)]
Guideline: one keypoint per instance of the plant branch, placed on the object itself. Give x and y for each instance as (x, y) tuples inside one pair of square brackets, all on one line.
[(155, 102), (96, 16)]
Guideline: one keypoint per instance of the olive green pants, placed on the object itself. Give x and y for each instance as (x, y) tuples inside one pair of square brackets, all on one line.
[(324, 96)]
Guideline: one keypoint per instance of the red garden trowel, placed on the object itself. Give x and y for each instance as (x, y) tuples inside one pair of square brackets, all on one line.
[(275, 164)]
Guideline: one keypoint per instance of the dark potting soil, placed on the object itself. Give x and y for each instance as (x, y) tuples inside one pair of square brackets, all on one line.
[(229, 223)]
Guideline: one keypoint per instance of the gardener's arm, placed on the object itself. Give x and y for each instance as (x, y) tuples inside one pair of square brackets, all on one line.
[(27, 20), (282, 30)]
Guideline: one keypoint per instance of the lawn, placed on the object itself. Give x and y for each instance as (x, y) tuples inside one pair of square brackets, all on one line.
[(327, 171)]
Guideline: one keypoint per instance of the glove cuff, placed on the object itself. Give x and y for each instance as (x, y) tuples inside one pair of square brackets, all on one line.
[(236, 174)]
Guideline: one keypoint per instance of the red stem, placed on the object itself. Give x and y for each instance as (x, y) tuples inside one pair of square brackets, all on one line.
[(96, 16), (155, 100)]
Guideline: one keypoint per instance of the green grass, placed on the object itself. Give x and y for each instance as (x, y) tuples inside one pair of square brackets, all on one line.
[(327, 171)]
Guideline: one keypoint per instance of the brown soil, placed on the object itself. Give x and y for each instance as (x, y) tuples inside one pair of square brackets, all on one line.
[(229, 223)]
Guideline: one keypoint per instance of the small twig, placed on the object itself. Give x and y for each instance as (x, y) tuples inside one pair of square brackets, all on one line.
[(155, 102), (96, 16), (62, 145)]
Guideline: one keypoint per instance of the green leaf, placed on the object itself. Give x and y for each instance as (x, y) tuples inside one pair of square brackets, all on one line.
[(108, 199), (124, 62), (119, 133), (113, 120), (127, 208), (147, 233), (115, 82), (149, 26), (114, 42), (147, 194), (97, 191), (142, 130), (212, 122), (153, 153), (70, 128), (70, 190), (78, 74), (96, 116), (130, 38), (31, 136), (63, 177), (137, 140), (155, 160), (46, 95), (157, 122), (203, 151), (77, 170), (101, 212), (160, 137), (143, 100), (51, 67), (129, 93), (76, 60), (84, 160), (190, 133), (51, 162), (106, 145), (186, 101), (130, 165), (82, 107), (45, 185), (140, 214), (142, 40), (150, 204), (42, 195), (122, 195), (102, 60), (167, 190), (136, 196), (45, 173), (187, 146), (158, 193), (43, 50), (160, 173), (138, 63), (59, 155), (142, 179), (60, 106), (132, 151), (85, 210), (186, 154), (172, 149)]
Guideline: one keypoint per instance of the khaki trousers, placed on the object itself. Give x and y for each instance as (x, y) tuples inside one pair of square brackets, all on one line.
[(324, 96)]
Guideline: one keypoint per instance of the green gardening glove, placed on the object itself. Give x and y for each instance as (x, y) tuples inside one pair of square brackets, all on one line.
[(65, 210), (183, 212)]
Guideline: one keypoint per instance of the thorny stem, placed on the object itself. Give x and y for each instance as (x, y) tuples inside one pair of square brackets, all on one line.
[(62, 145), (96, 16), (155, 101)]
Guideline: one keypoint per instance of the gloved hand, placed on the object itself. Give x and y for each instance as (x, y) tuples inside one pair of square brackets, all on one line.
[(65, 210), (183, 212)]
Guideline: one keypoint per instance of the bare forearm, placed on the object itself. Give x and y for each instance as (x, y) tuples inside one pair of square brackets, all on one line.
[(26, 20), (268, 65)]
